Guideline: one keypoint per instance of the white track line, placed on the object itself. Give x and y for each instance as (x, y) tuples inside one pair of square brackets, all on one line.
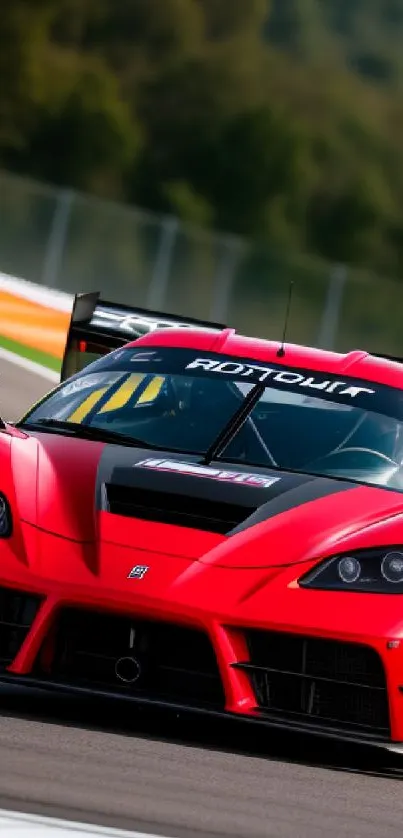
[(30, 366), (18, 825)]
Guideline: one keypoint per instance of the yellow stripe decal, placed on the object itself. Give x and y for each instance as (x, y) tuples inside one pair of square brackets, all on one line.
[(83, 409), (152, 390), (120, 398), (125, 392)]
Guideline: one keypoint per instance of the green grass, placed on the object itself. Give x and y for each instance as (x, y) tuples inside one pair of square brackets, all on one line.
[(36, 355)]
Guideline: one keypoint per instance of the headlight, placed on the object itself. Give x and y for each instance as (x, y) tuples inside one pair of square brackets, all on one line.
[(5, 518), (378, 571)]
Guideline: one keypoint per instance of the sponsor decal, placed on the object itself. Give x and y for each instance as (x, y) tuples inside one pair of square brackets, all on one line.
[(138, 571), (260, 481), (257, 373)]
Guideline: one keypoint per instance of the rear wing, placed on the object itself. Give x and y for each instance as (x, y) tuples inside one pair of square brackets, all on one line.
[(97, 327)]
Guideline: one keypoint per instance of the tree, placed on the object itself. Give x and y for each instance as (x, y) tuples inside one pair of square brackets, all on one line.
[(226, 18), (343, 225), (272, 118), (249, 163), (23, 33), (162, 32), (89, 136)]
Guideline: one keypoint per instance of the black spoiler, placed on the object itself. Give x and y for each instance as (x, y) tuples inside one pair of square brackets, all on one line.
[(97, 327)]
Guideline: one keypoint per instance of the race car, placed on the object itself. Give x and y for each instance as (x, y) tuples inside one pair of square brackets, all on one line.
[(199, 520)]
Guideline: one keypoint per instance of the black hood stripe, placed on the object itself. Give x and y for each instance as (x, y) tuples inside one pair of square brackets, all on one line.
[(314, 489), (127, 488), (122, 467)]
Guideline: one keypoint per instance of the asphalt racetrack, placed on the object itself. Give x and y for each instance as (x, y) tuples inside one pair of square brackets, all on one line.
[(107, 764)]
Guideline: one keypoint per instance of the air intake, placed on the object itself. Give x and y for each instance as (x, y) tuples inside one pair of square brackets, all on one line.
[(17, 613), (318, 682), (178, 509), (145, 658)]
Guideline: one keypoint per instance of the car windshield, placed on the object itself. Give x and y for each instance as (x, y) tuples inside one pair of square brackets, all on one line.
[(182, 399)]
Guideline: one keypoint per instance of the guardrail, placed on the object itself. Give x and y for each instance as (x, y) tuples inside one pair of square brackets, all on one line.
[(34, 318), (65, 240)]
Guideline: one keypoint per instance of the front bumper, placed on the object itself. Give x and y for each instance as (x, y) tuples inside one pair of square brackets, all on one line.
[(256, 721), (343, 688)]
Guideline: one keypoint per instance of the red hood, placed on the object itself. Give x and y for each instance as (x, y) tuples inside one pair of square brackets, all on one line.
[(58, 483)]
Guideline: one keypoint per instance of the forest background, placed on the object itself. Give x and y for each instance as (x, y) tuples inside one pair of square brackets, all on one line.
[(281, 120)]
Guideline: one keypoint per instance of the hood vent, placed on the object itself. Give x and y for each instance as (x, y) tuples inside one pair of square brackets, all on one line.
[(174, 508)]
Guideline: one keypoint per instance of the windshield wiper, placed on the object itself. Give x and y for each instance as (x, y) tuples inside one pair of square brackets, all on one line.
[(235, 424), (90, 432)]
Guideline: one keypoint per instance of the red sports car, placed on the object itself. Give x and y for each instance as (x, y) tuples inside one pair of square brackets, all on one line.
[(196, 519)]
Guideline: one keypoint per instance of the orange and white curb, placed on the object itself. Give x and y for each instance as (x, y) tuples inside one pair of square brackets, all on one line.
[(34, 316)]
